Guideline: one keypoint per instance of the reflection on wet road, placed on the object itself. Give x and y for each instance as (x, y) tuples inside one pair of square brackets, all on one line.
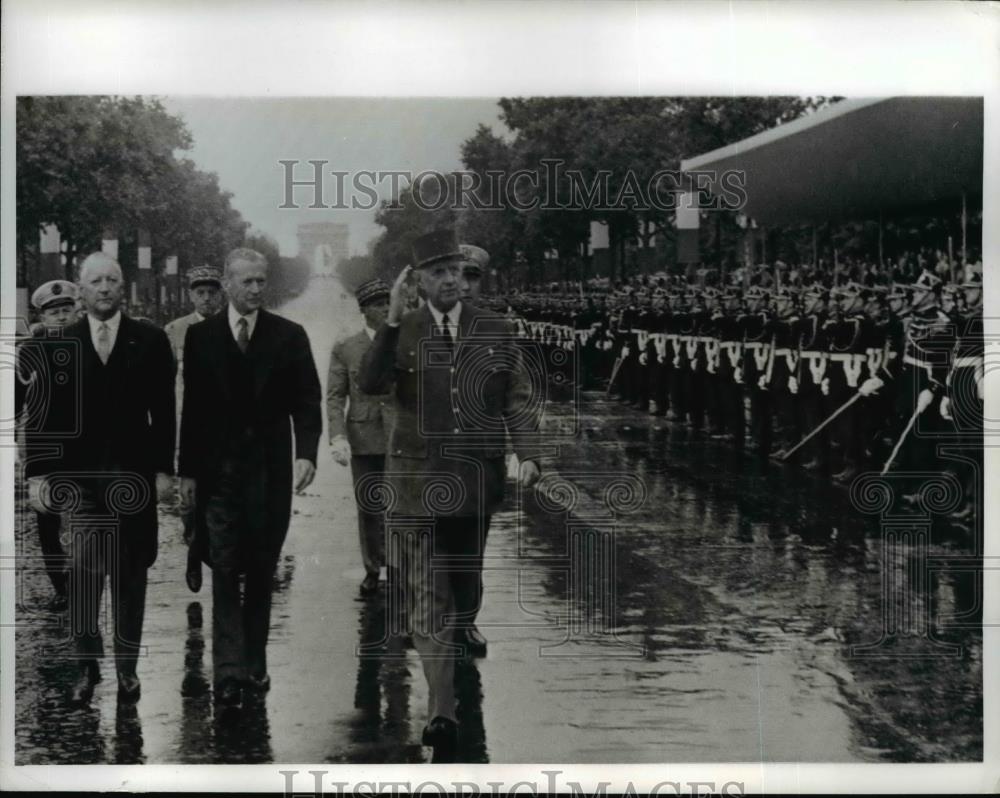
[(728, 611)]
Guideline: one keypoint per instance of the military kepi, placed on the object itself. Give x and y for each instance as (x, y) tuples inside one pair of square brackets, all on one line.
[(371, 291), (54, 293), (476, 258), (437, 246), (204, 275)]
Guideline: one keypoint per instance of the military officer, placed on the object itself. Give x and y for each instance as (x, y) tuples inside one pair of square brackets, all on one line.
[(205, 293), (358, 430), (445, 466), (56, 302)]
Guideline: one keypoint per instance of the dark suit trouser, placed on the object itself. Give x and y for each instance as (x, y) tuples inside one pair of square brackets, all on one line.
[(99, 551), (442, 569), (53, 556), (371, 527), (234, 514)]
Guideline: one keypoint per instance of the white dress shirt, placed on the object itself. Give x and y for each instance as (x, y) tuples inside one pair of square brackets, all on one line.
[(113, 323), (234, 318), (453, 316)]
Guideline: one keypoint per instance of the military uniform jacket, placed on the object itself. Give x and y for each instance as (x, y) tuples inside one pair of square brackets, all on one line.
[(368, 419), (453, 407)]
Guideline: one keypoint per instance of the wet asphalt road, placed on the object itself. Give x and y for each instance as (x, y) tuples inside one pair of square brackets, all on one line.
[(704, 607)]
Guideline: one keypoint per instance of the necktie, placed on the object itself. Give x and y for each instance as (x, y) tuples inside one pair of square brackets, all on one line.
[(446, 332), (104, 342), (242, 335)]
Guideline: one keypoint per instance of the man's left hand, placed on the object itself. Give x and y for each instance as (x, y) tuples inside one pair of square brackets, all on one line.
[(529, 473), (164, 487), (304, 473)]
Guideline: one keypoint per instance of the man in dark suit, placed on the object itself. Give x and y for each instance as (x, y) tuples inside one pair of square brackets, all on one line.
[(249, 380), (116, 463), (459, 387), (358, 435)]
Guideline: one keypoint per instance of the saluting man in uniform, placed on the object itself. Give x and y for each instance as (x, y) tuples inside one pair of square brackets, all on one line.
[(459, 388), (205, 292), (358, 430)]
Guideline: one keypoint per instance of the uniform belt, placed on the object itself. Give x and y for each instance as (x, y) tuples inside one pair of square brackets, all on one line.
[(971, 361), (844, 357), (754, 344), (785, 351)]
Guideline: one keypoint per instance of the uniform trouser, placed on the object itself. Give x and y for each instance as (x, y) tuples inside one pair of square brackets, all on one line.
[(679, 386), (715, 402), (815, 409), (53, 556), (661, 385), (760, 417), (238, 547), (967, 416), (441, 565), (371, 527), (696, 394), (788, 417), (100, 551)]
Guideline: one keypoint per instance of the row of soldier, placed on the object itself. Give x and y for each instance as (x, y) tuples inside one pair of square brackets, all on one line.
[(869, 377)]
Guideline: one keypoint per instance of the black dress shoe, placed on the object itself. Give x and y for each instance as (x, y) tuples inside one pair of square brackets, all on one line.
[(193, 575), (129, 687), (83, 687), (441, 733), (259, 684), (369, 585), (475, 643), (228, 694)]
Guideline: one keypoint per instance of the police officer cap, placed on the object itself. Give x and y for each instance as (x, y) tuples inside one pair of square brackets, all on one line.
[(204, 275), (817, 290), (898, 291), (54, 293), (476, 258)]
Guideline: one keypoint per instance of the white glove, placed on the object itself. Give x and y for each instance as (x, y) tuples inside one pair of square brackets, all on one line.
[(762, 382), (643, 359), (677, 362), (341, 450), (738, 376), (38, 494), (825, 386), (659, 359), (945, 408), (793, 385), (625, 352), (924, 400), (870, 386)]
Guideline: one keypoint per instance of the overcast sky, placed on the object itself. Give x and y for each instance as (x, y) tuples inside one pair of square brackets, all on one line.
[(243, 140)]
